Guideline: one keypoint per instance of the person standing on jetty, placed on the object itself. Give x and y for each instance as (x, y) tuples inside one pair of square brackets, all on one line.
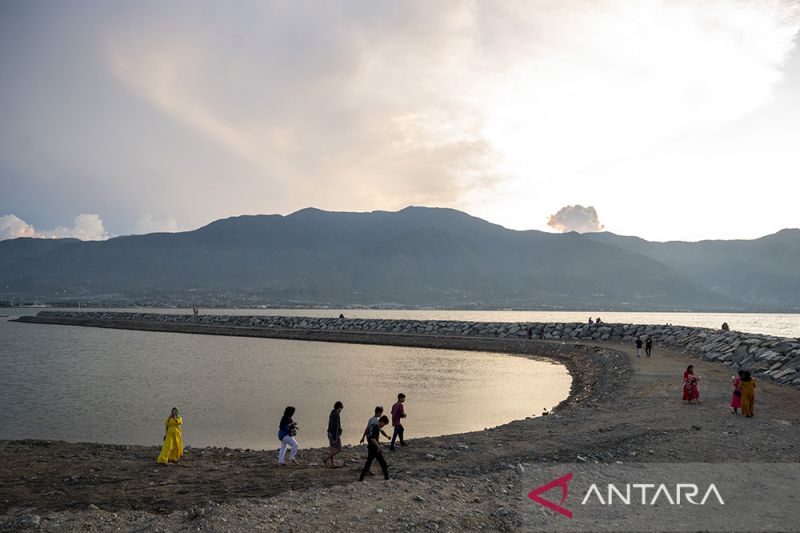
[(748, 386), (398, 414), (648, 345), (374, 448), (638, 346), (736, 397), (172, 449), (334, 434), (287, 429)]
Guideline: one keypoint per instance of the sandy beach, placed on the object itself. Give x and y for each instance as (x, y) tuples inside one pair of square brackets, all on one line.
[(620, 409)]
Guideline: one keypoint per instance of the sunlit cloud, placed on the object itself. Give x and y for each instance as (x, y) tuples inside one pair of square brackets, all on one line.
[(12, 227), (86, 227), (347, 121), (575, 218)]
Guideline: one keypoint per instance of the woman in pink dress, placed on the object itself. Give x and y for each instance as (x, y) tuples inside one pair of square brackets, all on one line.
[(736, 399)]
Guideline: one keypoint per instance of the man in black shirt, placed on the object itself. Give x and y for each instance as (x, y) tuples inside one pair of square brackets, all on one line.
[(374, 448)]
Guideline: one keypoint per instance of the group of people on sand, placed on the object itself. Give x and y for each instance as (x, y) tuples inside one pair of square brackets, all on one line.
[(172, 449), (744, 390)]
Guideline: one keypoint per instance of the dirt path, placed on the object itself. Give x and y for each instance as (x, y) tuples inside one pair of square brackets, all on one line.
[(628, 410)]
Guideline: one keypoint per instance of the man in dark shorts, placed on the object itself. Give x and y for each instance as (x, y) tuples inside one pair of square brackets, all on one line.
[(374, 451), (334, 434)]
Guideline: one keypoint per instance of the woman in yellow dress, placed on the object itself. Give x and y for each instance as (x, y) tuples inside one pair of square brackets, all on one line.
[(748, 387), (173, 440)]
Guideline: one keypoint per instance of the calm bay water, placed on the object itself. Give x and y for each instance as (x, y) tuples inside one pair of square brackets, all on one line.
[(86, 384), (117, 386)]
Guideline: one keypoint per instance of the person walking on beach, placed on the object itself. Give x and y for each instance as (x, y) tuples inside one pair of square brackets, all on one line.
[(648, 345), (374, 451), (371, 421), (748, 386), (398, 414), (638, 346), (736, 397), (688, 375), (172, 449), (287, 429), (334, 434), (691, 385)]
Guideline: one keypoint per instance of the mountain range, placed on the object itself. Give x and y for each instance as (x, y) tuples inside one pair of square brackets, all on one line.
[(416, 257)]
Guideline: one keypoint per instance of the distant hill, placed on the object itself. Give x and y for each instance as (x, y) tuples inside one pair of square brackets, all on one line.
[(414, 257), (759, 273)]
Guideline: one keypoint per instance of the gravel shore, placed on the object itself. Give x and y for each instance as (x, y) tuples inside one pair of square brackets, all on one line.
[(620, 409)]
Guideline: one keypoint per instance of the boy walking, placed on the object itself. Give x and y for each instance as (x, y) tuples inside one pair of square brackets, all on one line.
[(374, 451), (371, 421), (398, 414), (334, 434)]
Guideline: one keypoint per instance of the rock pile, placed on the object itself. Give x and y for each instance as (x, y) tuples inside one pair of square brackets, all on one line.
[(775, 358)]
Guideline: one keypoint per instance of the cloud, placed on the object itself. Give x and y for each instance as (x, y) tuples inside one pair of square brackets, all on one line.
[(354, 114), (146, 223), (86, 227), (575, 218), (11, 227)]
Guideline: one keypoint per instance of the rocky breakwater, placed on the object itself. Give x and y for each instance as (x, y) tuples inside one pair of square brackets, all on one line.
[(774, 358)]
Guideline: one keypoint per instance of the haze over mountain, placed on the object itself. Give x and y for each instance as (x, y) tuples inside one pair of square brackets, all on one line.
[(413, 257)]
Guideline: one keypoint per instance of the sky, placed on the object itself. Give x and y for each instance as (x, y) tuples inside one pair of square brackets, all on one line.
[(670, 120)]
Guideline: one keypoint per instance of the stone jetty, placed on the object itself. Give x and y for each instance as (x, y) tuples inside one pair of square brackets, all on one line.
[(774, 358)]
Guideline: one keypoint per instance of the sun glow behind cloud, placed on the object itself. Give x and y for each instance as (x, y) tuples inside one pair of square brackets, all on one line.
[(610, 82)]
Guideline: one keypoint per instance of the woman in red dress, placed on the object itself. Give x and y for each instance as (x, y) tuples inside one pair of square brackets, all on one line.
[(688, 376)]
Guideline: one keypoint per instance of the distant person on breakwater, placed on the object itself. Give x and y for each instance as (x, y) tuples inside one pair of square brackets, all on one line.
[(334, 434), (195, 311), (172, 449), (748, 386), (530, 332), (398, 414), (736, 397), (287, 430), (638, 346), (598, 321), (341, 315), (371, 421), (374, 448), (591, 321), (725, 326), (648, 345)]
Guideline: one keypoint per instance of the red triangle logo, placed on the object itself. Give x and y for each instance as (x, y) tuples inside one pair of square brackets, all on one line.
[(562, 482)]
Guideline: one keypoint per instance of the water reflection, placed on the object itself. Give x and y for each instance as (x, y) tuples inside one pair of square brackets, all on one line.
[(85, 384)]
